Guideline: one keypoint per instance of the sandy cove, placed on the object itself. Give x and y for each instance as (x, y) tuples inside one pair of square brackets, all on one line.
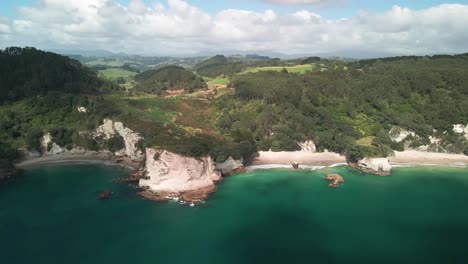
[(409, 158), (78, 158), (306, 159), (413, 158)]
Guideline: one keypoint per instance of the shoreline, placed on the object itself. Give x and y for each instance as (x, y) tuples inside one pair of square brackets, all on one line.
[(265, 160), (322, 160), (413, 158), (77, 159)]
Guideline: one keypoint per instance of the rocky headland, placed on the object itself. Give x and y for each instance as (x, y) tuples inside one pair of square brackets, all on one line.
[(170, 175), (375, 166)]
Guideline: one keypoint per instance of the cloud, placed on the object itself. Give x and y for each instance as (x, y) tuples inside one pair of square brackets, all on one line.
[(176, 27), (4, 26), (301, 2)]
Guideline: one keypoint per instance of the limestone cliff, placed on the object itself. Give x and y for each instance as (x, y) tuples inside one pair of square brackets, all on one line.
[(50, 148), (376, 166), (106, 131), (230, 166), (110, 128), (308, 146), (461, 129), (170, 175)]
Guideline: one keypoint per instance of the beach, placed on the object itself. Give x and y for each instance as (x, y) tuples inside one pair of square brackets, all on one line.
[(78, 158), (306, 160), (408, 158), (412, 158)]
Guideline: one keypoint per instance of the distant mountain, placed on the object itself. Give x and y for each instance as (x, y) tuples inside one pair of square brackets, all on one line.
[(87, 53)]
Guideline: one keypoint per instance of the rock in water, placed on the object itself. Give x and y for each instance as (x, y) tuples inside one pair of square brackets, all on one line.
[(336, 180), (376, 166), (295, 165)]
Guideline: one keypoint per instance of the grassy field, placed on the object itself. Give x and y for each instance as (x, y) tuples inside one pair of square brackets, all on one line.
[(114, 63), (115, 73), (366, 141), (292, 69), (217, 81)]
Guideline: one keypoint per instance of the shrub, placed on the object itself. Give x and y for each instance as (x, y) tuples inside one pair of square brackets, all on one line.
[(156, 156), (115, 143)]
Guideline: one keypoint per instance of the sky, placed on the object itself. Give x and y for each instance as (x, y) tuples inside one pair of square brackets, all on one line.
[(190, 27)]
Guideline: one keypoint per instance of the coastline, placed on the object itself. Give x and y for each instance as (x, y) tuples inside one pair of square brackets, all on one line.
[(413, 158), (77, 159), (264, 160), (315, 161), (304, 158)]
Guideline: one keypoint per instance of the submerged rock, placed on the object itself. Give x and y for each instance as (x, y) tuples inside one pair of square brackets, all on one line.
[(105, 195), (336, 180), (376, 166)]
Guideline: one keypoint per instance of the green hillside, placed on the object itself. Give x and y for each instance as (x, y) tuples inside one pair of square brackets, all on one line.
[(168, 78)]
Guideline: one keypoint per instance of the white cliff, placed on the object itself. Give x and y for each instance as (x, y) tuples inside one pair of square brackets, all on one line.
[(461, 129), (54, 149), (377, 166), (229, 166), (308, 146), (110, 129), (398, 134), (174, 174)]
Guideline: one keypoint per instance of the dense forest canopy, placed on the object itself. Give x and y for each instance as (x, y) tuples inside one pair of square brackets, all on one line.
[(26, 72), (40, 92), (346, 107), (220, 65), (337, 108), (168, 78)]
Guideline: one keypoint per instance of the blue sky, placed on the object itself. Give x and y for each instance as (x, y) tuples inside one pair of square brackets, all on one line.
[(347, 8), (213, 26)]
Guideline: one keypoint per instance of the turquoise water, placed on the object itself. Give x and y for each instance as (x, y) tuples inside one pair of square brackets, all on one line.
[(51, 215)]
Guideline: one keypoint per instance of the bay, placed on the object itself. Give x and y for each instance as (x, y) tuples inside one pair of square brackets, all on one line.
[(52, 215)]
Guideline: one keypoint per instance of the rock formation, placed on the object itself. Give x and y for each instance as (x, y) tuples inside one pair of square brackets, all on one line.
[(170, 175), (308, 146), (110, 128), (376, 166), (230, 166), (336, 180), (461, 129), (398, 134), (295, 165)]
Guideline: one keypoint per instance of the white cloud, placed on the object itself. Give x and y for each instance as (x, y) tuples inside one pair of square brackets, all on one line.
[(4, 26), (177, 27), (301, 2)]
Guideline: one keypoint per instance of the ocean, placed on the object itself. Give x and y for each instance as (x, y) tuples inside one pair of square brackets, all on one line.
[(51, 214)]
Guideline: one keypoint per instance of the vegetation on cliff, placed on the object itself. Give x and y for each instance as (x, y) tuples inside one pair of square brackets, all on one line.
[(42, 93), (344, 107), (338, 107)]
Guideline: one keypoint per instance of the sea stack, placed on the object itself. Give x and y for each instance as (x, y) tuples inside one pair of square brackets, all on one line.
[(376, 166)]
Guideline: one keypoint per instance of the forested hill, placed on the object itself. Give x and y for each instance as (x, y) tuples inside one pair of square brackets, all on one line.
[(26, 72), (352, 109), (40, 93), (168, 78)]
